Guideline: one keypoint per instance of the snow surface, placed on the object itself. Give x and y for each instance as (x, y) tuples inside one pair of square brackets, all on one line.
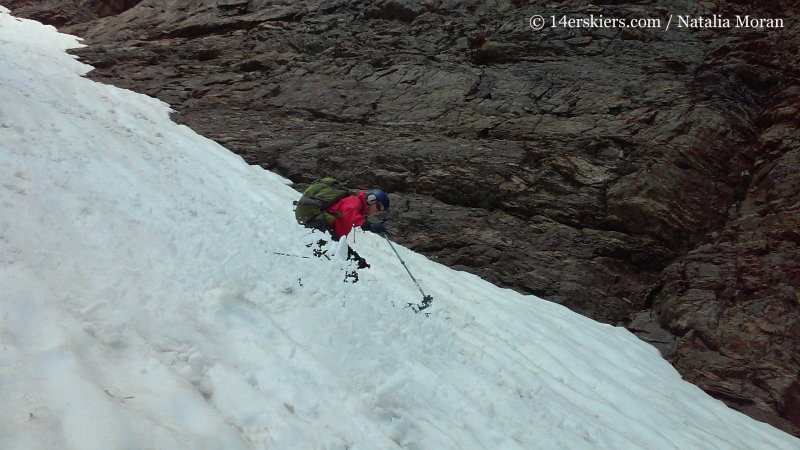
[(143, 305)]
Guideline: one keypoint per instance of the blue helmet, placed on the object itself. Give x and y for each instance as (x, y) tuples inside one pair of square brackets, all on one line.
[(377, 195)]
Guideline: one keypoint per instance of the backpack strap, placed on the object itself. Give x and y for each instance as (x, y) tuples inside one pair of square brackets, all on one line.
[(322, 203)]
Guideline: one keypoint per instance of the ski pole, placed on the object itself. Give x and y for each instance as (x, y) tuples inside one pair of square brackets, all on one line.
[(426, 299), (286, 254)]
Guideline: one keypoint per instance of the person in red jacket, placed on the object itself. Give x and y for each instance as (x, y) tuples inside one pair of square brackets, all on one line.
[(352, 211)]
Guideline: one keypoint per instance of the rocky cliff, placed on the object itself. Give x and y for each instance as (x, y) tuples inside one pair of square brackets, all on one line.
[(641, 176)]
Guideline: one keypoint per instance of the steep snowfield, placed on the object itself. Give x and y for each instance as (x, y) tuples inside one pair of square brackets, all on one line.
[(143, 305)]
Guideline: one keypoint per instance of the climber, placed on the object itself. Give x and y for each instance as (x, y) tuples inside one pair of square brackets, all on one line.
[(354, 210), (329, 206)]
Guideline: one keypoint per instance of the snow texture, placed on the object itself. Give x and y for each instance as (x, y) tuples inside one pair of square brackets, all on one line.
[(144, 305)]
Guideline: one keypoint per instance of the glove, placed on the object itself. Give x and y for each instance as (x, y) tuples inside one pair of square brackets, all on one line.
[(375, 227)]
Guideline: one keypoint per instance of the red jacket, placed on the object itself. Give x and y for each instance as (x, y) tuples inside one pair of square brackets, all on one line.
[(353, 209)]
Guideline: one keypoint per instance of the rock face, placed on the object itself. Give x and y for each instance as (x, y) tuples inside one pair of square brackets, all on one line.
[(641, 176), (67, 12)]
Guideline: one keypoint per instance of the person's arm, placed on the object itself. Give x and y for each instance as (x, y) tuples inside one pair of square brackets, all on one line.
[(375, 227)]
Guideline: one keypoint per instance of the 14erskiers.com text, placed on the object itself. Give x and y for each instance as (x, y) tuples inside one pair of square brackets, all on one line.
[(537, 22)]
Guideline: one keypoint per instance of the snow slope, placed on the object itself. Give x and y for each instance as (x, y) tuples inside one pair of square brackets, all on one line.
[(143, 305)]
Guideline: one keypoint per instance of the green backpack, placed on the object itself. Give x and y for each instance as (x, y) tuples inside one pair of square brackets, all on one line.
[(321, 195)]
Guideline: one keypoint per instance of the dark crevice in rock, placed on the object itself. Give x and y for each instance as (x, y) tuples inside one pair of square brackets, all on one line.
[(199, 30), (106, 8)]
